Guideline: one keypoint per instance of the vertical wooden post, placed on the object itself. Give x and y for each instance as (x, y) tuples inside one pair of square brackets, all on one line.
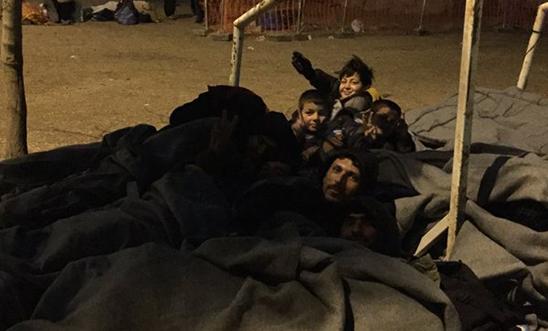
[(531, 47), (206, 15), (12, 70), (463, 129), (345, 9), (238, 37), (299, 17), (419, 29)]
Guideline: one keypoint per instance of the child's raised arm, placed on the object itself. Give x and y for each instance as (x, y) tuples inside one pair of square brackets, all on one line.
[(321, 80)]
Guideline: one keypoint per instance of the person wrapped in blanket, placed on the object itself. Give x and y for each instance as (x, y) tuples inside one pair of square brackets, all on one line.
[(367, 222), (359, 117), (382, 127)]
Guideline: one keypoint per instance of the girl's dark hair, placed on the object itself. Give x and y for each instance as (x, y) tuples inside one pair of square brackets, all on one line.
[(356, 65)]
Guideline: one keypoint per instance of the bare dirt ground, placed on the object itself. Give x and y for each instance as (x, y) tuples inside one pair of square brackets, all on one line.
[(87, 79)]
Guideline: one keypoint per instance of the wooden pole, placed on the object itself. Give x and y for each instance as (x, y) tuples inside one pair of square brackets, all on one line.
[(463, 129), (531, 47), (419, 29), (299, 16), (206, 14), (12, 70), (344, 15), (238, 38)]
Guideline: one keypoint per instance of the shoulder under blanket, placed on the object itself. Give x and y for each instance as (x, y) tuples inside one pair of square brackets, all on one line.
[(243, 284), (493, 247)]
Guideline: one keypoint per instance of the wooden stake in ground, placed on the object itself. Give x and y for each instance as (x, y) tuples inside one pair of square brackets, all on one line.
[(465, 110), (15, 105)]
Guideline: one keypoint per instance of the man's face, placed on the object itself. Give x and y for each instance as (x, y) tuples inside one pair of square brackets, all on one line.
[(312, 116), (351, 85), (357, 227), (341, 181)]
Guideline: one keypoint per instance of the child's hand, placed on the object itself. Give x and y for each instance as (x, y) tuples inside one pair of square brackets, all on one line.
[(222, 132), (371, 131), (306, 154), (302, 65), (336, 138), (297, 126)]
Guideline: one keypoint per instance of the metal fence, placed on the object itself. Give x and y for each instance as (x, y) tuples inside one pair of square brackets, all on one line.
[(292, 16)]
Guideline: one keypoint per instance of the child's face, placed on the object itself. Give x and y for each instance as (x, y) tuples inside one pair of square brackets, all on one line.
[(313, 115), (350, 85), (386, 120)]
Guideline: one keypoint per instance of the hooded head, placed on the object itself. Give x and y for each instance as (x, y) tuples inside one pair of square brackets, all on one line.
[(234, 99), (369, 223)]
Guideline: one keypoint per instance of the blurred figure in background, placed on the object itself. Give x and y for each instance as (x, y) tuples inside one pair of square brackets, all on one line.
[(197, 10)]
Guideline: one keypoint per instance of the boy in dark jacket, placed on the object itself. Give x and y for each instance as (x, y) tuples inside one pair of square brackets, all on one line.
[(307, 122), (352, 90), (351, 96)]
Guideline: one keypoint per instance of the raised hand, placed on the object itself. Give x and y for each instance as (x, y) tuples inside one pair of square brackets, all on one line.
[(370, 130), (302, 65), (221, 132)]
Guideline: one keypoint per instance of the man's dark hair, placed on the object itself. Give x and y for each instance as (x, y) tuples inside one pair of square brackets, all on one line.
[(313, 96), (382, 103), (356, 65), (388, 241), (366, 162)]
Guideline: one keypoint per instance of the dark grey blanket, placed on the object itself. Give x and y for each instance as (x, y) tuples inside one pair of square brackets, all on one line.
[(114, 247), (509, 118), (493, 247), (243, 284), (126, 235)]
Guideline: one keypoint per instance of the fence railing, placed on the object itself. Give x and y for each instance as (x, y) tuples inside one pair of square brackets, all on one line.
[(292, 16)]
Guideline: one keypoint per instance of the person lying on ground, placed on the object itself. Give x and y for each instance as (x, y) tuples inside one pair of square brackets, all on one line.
[(349, 173), (236, 162), (318, 197), (352, 90), (307, 122), (367, 222), (384, 127)]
